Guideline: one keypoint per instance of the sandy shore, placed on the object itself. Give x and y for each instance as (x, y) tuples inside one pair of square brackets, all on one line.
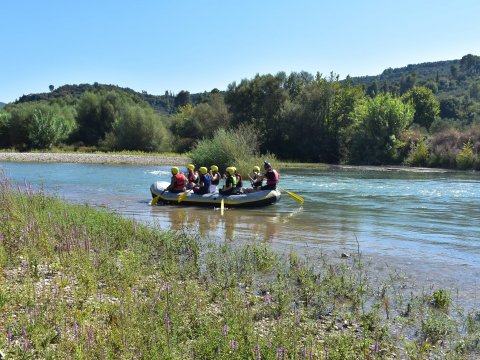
[(93, 158)]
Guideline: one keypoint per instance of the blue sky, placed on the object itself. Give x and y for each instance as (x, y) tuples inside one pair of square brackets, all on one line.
[(200, 45)]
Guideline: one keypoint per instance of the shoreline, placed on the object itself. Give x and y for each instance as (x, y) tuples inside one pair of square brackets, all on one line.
[(93, 158), (121, 159)]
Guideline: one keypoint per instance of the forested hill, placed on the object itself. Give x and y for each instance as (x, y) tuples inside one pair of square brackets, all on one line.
[(444, 78), (423, 72), (164, 104)]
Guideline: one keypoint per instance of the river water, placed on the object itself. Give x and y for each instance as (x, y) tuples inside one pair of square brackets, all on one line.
[(423, 224)]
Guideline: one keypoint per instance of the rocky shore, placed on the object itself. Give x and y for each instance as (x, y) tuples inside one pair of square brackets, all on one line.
[(93, 158)]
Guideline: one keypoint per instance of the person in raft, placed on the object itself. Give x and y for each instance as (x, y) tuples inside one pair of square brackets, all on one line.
[(255, 180), (177, 182), (205, 181), (192, 176), (238, 188), (272, 176), (230, 182), (215, 176)]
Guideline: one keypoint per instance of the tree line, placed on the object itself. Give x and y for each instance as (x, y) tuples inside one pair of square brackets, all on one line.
[(297, 116)]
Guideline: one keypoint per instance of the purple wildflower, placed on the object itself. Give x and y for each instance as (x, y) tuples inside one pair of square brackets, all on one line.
[(90, 336), (257, 352), (233, 344), (225, 330), (167, 322), (268, 298), (166, 286), (281, 353), (9, 335), (75, 329), (375, 348), (326, 354)]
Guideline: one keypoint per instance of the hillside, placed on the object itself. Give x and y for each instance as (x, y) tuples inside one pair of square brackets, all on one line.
[(163, 104), (452, 81), (2, 105)]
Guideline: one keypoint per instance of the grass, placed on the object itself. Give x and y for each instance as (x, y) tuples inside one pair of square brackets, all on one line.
[(76, 282)]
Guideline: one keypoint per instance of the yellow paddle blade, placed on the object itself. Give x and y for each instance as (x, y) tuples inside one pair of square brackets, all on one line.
[(154, 200), (222, 207), (183, 196), (295, 196)]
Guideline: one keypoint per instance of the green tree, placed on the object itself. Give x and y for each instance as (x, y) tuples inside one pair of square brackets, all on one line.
[(47, 129), (4, 127), (426, 105), (376, 128), (450, 108), (259, 101), (182, 99), (137, 127)]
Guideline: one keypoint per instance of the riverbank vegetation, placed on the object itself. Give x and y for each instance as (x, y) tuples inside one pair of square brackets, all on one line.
[(421, 115), (77, 282)]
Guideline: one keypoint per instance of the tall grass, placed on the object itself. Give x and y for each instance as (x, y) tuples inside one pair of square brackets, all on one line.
[(82, 283)]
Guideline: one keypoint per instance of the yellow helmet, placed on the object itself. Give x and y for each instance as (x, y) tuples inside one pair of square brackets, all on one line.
[(234, 168), (203, 170), (174, 170), (231, 170), (256, 168), (191, 167), (214, 168)]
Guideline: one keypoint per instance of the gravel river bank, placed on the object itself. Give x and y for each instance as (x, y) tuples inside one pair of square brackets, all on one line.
[(93, 158)]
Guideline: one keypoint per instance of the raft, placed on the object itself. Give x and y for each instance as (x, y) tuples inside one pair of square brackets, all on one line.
[(255, 199)]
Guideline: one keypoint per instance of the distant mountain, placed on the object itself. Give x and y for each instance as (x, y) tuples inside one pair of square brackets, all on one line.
[(2, 105)]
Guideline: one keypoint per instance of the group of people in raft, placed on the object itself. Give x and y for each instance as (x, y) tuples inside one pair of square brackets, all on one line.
[(204, 181)]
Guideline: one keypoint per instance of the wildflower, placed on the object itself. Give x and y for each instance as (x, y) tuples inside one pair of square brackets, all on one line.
[(257, 352), (268, 298), (75, 329), (225, 330), (167, 322), (9, 335), (233, 344), (281, 353), (166, 286), (375, 349), (90, 336)]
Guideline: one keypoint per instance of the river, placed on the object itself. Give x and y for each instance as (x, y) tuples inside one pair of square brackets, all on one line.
[(423, 224)]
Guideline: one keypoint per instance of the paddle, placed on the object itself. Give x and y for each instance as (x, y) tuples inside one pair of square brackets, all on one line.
[(184, 195), (293, 195), (154, 200), (222, 207)]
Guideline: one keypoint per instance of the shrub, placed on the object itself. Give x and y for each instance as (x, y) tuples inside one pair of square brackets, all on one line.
[(419, 154), (466, 157), (237, 148)]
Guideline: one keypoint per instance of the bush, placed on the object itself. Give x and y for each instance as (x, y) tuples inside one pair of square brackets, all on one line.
[(237, 148), (466, 157), (419, 154)]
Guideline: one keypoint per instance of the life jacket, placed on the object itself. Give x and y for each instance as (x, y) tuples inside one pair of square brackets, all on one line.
[(274, 180), (206, 182), (239, 180), (231, 179), (191, 177), (179, 181), (217, 180)]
